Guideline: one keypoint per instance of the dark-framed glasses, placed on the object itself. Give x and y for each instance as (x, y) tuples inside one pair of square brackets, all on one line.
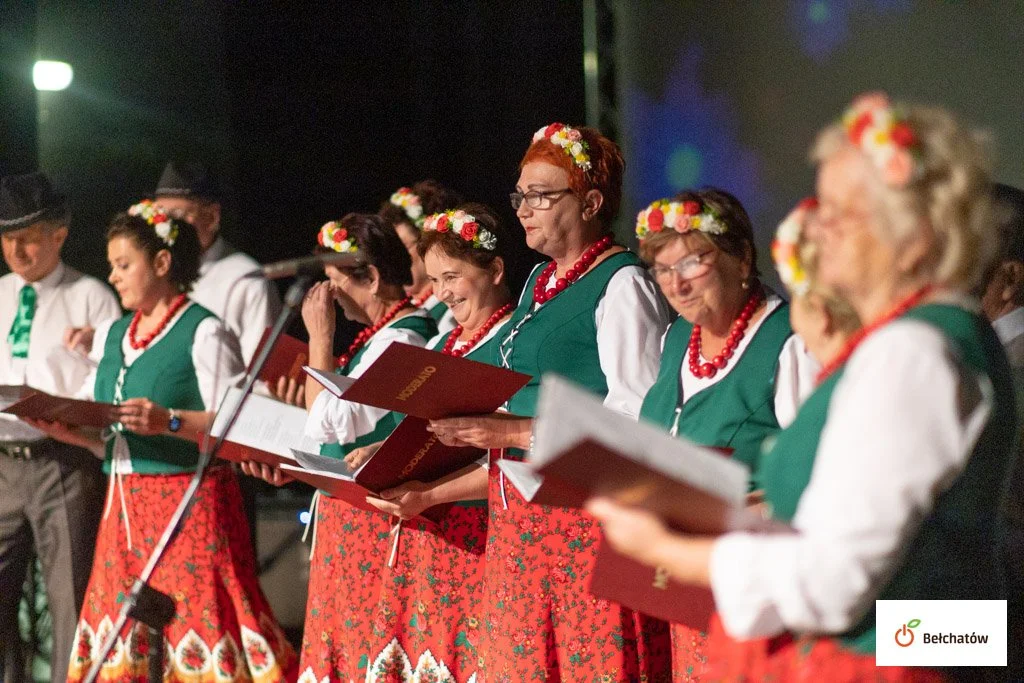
[(535, 199), (687, 268)]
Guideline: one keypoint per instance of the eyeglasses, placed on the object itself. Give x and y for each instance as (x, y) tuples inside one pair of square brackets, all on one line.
[(535, 199), (687, 268)]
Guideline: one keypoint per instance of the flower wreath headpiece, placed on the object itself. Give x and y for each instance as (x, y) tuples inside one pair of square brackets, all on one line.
[(333, 236), (881, 132), (464, 225), (679, 216), (786, 248), (569, 139), (409, 202), (165, 226)]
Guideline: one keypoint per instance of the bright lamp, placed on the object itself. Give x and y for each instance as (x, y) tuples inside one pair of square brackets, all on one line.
[(48, 75)]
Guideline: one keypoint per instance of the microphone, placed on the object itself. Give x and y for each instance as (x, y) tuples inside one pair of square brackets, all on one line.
[(307, 265)]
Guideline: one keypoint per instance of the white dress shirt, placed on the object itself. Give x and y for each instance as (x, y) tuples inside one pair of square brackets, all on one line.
[(247, 305), (215, 355), (64, 298), (794, 380), (903, 420), (630, 318), (332, 420)]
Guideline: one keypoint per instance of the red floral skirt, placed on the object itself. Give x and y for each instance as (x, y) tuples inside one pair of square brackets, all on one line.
[(223, 629), (689, 656), (431, 604), (785, 658), (541, 622), (349, 556)]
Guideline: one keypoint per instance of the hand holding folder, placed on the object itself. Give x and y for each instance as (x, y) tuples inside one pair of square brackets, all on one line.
[(39, 405)]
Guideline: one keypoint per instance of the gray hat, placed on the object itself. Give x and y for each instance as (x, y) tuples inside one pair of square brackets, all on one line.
[(188, 179), (28, 199)]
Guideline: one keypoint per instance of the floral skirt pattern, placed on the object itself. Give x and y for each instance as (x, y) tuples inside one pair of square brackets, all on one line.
[(223, 628), (428, 618), (689, 659), (786, 658), (541, 623), (349, 557)]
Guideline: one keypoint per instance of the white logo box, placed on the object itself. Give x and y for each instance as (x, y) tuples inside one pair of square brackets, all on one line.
[(940, 632)]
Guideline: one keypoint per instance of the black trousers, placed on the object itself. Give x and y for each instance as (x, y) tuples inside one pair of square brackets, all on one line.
[(50, 507)]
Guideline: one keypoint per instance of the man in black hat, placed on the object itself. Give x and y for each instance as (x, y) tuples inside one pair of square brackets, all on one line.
[(51, 494), (190, 191)]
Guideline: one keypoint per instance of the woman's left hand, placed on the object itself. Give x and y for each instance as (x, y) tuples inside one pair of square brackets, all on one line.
[(497, 430), (143, 417), (405, 500)]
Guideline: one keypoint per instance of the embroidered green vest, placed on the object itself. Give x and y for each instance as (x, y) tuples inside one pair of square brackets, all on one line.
[(560, 336), (953, 556), (437, 311), (737, 412), (164, 374), (421, 325), (484, 353)]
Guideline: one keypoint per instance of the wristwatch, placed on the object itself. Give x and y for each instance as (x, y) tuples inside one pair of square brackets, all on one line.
[(174, 424)]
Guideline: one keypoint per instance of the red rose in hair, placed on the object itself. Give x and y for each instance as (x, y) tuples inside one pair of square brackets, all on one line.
[(552, 129), (469, 231), (691, 208), (340, 235), (903, 136), (442, 223), (320, 238), (655, 220), (858, 127)]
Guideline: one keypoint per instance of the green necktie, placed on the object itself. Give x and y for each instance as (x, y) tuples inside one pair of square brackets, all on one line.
[(22, 326)]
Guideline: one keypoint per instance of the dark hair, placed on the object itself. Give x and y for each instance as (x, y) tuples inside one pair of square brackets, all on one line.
[(434, 198), (737, 240), (185, 252), (379, 246), (1010, 207), (605, 174), (453, 246)]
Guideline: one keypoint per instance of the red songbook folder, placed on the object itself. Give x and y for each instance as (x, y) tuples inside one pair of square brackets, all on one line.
[(42, 406), (287, 358), (410, 453), (426, 384), (649, 590)]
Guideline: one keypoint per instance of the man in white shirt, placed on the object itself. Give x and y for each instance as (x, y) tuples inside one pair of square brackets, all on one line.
[(1003, 303), (51, 494), (247, 305)]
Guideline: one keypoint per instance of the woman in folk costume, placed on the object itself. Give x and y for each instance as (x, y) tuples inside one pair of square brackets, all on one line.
[(731, 370), (892, 472), (162, 365), (406, 210), (432, 597), (591, 314), (350, 546)]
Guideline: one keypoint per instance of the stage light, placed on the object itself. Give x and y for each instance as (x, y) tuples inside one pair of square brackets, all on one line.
[(47, 75)]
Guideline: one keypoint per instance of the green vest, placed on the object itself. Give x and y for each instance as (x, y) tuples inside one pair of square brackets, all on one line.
[(736, 412), (560, 336), (953, 556), (484, 353), (422, 325), (437, 311), (164, 374)]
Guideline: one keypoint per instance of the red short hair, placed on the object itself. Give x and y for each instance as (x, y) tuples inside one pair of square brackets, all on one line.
[(605, 174)]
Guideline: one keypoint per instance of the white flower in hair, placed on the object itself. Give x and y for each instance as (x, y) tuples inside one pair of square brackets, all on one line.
[(165, 232)]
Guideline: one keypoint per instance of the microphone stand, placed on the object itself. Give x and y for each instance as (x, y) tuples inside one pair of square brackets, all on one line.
[(143, 602)]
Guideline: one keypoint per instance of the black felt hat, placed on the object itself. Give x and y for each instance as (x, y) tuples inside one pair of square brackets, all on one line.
[(28, 199), (188, 179)]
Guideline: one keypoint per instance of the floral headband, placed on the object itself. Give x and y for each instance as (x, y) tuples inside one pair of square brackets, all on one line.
[(409, 202), (569, 139), (680, 216), (786, 248), (464, 225), (165, 226), (881, 132), (333, 236)]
